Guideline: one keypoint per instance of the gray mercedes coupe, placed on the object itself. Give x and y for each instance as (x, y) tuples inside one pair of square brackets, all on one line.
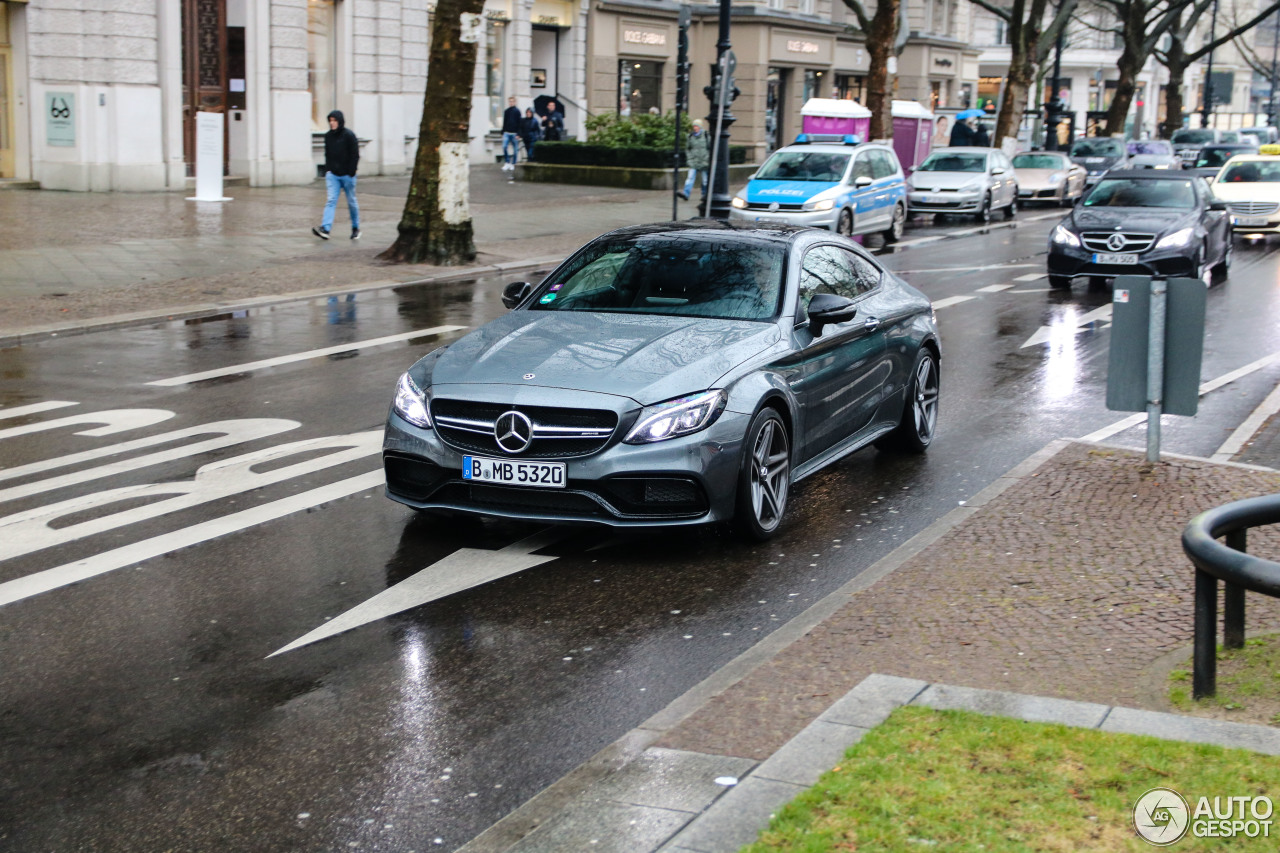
[(669, 374)]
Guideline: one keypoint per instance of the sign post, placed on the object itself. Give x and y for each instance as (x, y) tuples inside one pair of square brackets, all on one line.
[(209, 158)]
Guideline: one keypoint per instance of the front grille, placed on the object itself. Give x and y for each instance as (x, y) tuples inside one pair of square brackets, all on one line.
[(1188, 154), (1253, 208), (558, 433), (1096, 241), (755, 205)]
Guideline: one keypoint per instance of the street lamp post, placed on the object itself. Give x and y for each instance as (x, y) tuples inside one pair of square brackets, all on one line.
[(721, 93), (1275, 49), (1055, 99), (1207, 111)]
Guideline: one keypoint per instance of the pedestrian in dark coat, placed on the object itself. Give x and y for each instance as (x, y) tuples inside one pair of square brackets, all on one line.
[(980, 136), (341, 157), (961, 134), (553, 123), (530, 133)]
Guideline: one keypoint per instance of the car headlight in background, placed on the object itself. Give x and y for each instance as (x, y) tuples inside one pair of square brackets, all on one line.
[(680, 416), (738, 202), (1064, 236), (825, 204), (411, 403), (1176, 239)]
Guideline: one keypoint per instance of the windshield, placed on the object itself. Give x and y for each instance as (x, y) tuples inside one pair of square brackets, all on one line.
[(1251, 171), (1127, 192), (1097, 148), (804, 166), (673, 275), (1193, 137), (1230, 136), (1150, 146), (1214, 156), (1255, 132), (1038, 161), (942, 162)]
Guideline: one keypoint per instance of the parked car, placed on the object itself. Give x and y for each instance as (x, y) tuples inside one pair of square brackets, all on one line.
[(1098, 155), (1187, 142), (1250, 186), (1142, 222), (669, 374), (1211, 158), (1264, 135), (843, 187), (964, 180), (1048, 176), (1152, 154)]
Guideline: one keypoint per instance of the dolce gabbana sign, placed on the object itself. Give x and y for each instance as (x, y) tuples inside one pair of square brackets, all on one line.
[(645, 39), (800, 48)]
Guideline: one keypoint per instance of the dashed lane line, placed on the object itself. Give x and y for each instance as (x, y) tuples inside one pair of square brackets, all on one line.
[(302, 356), (951, 300), (994, 288)]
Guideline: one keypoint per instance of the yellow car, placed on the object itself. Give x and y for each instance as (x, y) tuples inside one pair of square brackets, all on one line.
[(1250, 185)]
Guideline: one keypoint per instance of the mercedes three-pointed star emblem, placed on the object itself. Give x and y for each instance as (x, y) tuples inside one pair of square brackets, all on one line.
[(513, 431), (1115, 242)]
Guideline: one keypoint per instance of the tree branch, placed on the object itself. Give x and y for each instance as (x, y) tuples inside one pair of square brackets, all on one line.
[(1004, 14), (864, 21), (1240, 30)]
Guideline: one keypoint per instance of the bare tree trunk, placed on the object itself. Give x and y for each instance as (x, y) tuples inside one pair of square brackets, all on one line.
[(436, 224), (1177, 66), (880, 38), (1132, 58), (1023, 33)]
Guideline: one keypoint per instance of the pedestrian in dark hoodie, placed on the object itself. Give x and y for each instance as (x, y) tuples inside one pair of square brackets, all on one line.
[(341, 156)]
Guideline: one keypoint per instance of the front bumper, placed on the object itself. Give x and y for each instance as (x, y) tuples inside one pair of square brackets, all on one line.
[(1073, 261), (682, 481), (812, 218), (945, 202), (1040, 193), (1272, 225)]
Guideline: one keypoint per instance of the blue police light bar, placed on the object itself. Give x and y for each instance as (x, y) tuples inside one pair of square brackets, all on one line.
[(846, 139)]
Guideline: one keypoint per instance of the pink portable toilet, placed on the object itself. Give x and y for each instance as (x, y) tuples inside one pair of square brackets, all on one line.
[(832, 116), (912, 133)]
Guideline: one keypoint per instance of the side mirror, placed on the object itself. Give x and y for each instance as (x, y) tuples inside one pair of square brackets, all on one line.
[(1218, 205), (861, 181), (826, 309), (515, 292), (998, 170)]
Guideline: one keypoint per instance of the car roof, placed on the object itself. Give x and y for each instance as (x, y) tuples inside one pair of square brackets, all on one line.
[(1232, 146), (1253, 157), (830, 147), (772, 233), (1147, 174), (964, 149)]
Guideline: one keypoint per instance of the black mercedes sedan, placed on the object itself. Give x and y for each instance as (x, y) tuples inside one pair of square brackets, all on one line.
[(1143, 223)]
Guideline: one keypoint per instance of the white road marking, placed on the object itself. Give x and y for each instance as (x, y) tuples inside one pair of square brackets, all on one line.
[(128, 555), (1031, 276), (1044, 334), (1251, 425), (967, 269), (115, 420), (993, 288), (1212, 385), (224, 433), (951, 300), (302, 356), (34, 408), (31, 530), (461, 570)]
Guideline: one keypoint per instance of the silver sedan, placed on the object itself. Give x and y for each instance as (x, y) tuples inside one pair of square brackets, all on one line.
[(966, 180)]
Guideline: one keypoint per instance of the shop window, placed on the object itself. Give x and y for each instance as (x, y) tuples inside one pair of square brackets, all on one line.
[(495, 44), (639, 87), (322, 71), (812, 85), (851, 88)]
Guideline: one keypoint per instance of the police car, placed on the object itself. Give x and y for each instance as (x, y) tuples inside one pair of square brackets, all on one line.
[(839, 185)]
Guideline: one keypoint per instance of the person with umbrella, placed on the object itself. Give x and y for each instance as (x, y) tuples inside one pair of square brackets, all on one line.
[(962, 133)]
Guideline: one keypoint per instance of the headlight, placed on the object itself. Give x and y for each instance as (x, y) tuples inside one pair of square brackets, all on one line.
[(411, 403), (974, 186), (1055, 178), (826, 204), (677, 417), (738, 202), (1176, 239), (1065, 236)]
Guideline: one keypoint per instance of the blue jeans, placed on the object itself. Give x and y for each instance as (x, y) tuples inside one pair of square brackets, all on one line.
[(335, 184), (510, 139), (688, 184)]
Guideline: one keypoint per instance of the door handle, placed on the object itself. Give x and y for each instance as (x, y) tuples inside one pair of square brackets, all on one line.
[(871, 324)]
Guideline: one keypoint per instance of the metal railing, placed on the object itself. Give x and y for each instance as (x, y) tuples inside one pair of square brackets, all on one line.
[(1238, 570)]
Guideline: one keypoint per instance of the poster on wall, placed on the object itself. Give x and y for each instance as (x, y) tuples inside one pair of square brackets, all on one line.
[(60, 119)]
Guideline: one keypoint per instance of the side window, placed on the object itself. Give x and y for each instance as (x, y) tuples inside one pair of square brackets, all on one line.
[(866, 275), (885, 164), (827, 269), (862, 167)]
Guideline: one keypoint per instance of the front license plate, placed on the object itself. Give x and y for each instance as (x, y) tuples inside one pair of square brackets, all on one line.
[(1108, 258), (549, 475), (1251, 221)]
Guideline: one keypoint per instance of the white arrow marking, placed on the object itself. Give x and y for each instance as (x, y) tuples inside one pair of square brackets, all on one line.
[(1045, 333), (116, 420), (1031, 276), (461, 570), (303, 356), (34, 408)]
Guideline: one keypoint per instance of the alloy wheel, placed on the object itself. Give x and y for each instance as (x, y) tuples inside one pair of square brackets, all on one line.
[(924, 406), (770, 475)]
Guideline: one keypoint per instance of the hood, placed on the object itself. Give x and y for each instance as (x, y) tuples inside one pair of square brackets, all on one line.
[(646, 357), (1133, 219), (786, 192), (945, 180), (1097, 164), (1039, 178), (342, 122)]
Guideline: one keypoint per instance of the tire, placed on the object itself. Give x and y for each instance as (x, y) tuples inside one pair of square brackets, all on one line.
[(1223, 267), (1065, 201), (915, 432), (764, 477), (844, 225), (983, 216), (897, 227), (1060, 282), (1012, 210), (1097, 282), (1203, 272)]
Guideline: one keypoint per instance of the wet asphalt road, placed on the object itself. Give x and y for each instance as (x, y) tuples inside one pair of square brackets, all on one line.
[(141, 709)]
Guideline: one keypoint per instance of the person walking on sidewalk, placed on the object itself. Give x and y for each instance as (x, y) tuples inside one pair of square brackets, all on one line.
[(553, 123), (341, 156), (697, 158), (510, 135), (530, 132)]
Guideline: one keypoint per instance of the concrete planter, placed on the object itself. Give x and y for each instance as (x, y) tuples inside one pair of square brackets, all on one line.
[(615, 176)]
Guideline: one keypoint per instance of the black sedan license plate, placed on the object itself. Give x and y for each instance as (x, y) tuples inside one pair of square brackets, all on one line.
[(1108, 258), (509, 472)]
